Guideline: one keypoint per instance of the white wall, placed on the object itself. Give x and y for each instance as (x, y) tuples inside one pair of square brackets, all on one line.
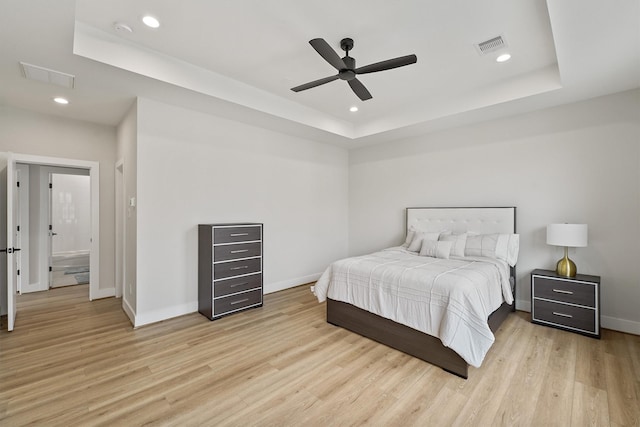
[(576, 163), (127, 136), (195, 168), (27, 132)]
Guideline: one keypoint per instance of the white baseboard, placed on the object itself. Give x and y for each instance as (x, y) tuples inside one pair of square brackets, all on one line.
[(141, 319), (290, 283), (607, 322), (154, 316), (129, 311), (104, 293), (621, 325)]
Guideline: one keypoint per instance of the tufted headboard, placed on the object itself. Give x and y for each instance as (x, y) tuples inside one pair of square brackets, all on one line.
[(461, 220)]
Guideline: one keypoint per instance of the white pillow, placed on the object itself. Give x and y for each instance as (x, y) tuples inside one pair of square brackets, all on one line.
[(500, 246), (419, 236), (459, 242), (508, 247), (435, 249), (481, 245), (409, 238)]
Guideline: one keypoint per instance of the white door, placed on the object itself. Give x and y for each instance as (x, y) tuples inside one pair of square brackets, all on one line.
[(10, 250), (69, 229)]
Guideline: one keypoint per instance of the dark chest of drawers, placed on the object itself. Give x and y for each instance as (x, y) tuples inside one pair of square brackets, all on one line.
[(229, 268), (571, 303)]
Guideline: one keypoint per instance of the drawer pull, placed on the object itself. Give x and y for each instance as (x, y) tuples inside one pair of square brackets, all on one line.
[(562, 315), (238, 234), (562, 291), (239, 301), (235, 285), (239, 268), (239, 251)]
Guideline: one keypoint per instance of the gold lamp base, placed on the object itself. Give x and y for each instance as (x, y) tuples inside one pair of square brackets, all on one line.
[(566, 267)]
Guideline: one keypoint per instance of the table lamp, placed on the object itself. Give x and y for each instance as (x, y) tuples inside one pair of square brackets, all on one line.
[(567, 235)]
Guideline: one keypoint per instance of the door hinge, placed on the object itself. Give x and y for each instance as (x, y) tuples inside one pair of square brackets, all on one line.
[(50, 268), (50, 185), (18, 227), (18, 273), (18, 183), (50, 227)]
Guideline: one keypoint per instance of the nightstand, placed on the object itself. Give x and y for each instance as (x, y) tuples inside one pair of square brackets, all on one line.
[(571, 303)]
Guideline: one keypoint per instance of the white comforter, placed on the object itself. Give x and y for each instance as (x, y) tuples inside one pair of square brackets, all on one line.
[(447, 298)]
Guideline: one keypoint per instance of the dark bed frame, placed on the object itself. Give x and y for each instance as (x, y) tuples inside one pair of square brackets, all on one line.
[(406, 339)]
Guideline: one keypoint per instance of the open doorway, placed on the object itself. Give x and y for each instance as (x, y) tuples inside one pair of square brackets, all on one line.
[(9, 272), (55, 209)]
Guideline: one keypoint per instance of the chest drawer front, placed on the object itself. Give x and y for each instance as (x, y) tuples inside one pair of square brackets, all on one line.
[(560, 290), (235, 251), (583, 319), (236, 234), (237, 302), (236, 284), (236, 268)]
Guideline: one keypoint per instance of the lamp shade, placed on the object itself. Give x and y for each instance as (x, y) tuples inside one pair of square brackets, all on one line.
[(570, 235)]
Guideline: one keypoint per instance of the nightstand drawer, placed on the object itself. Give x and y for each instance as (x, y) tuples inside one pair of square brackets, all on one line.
[(236, 251), (237, 302), (236, 268), (236, 234), (582, 319), (565, 291), (236, 284)]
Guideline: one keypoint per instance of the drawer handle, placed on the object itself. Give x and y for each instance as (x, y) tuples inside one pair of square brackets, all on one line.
[(562, 315), (239, 301), (240, 268), (239, 251), (235, 285), (238, 234), (562, 291)]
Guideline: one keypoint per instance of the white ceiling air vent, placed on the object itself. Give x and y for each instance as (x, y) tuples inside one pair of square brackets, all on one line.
[(491, 45), (45, 75)]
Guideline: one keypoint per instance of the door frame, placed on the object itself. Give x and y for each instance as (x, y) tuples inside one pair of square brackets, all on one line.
[(94, 174)]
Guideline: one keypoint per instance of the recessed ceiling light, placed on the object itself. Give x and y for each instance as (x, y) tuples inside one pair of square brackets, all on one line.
[(150, 21), (61, 100), (503, 58), (353, 109)]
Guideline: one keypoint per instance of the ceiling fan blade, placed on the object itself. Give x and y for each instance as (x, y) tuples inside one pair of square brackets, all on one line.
[(387, 65), (329, 55), (314, 83), (359, 89)]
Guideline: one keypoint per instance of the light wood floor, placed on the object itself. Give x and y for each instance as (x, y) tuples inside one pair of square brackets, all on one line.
[(74, 362)]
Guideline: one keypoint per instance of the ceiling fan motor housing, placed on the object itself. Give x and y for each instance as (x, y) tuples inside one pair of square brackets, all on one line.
[(348, 73)]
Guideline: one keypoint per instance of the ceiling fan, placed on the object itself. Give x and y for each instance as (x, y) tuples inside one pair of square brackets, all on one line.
[(347, 67)]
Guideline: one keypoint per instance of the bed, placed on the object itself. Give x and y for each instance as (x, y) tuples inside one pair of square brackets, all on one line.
[(367, 294)]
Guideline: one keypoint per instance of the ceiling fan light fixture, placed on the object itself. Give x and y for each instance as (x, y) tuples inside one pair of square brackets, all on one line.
[(150, 21), (353, 109), (60, 100), (503, 58)]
